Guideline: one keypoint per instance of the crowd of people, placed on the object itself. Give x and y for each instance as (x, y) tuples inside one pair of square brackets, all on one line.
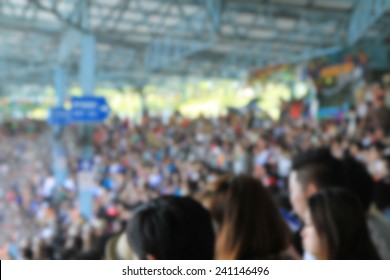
[(236, 187)]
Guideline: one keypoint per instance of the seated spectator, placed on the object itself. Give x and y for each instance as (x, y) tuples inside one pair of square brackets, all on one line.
[(335, 227), (171, 228)]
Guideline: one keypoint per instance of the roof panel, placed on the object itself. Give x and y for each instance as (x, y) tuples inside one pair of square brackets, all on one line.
[(292, 2), (335, 4), (46, 17)]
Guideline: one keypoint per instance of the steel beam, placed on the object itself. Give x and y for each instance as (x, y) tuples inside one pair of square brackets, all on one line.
[(364, 16), (214, 10)]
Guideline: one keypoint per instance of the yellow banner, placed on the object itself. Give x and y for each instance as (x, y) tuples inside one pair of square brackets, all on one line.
[(337, 70)]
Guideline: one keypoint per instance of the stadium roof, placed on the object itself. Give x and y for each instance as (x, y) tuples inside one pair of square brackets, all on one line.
[(141, 41)]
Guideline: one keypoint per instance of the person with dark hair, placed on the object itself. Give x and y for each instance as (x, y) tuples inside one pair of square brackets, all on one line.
[(335, 227), (379, 115), (171, 228), (248, 223), (317, 169), (312, 170), (28, 253)]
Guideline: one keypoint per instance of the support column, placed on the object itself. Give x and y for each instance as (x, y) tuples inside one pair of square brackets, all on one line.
[(87, 82), (144, 105), (59, 156)]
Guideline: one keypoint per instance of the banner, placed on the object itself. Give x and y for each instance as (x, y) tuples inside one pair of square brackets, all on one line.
[(280, 73), (336, 79)]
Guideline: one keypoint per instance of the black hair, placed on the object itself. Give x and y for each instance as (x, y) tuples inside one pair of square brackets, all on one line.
[(171, 228), (339, 218), (379, 146), (318, 166), (356, 143), (88, 255), (28, 253), (358, 180)]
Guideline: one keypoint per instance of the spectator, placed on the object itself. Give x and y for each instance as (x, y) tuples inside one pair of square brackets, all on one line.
[(317, 169), (171, 228), (311, 171), (335, 227), (247, 221)]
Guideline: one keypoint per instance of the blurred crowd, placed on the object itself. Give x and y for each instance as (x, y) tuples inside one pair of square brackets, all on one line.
[(241, 186)]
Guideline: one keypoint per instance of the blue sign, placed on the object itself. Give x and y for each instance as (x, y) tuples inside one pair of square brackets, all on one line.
[(59, 116), (85, 165), (332, 112), (89, 109)]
